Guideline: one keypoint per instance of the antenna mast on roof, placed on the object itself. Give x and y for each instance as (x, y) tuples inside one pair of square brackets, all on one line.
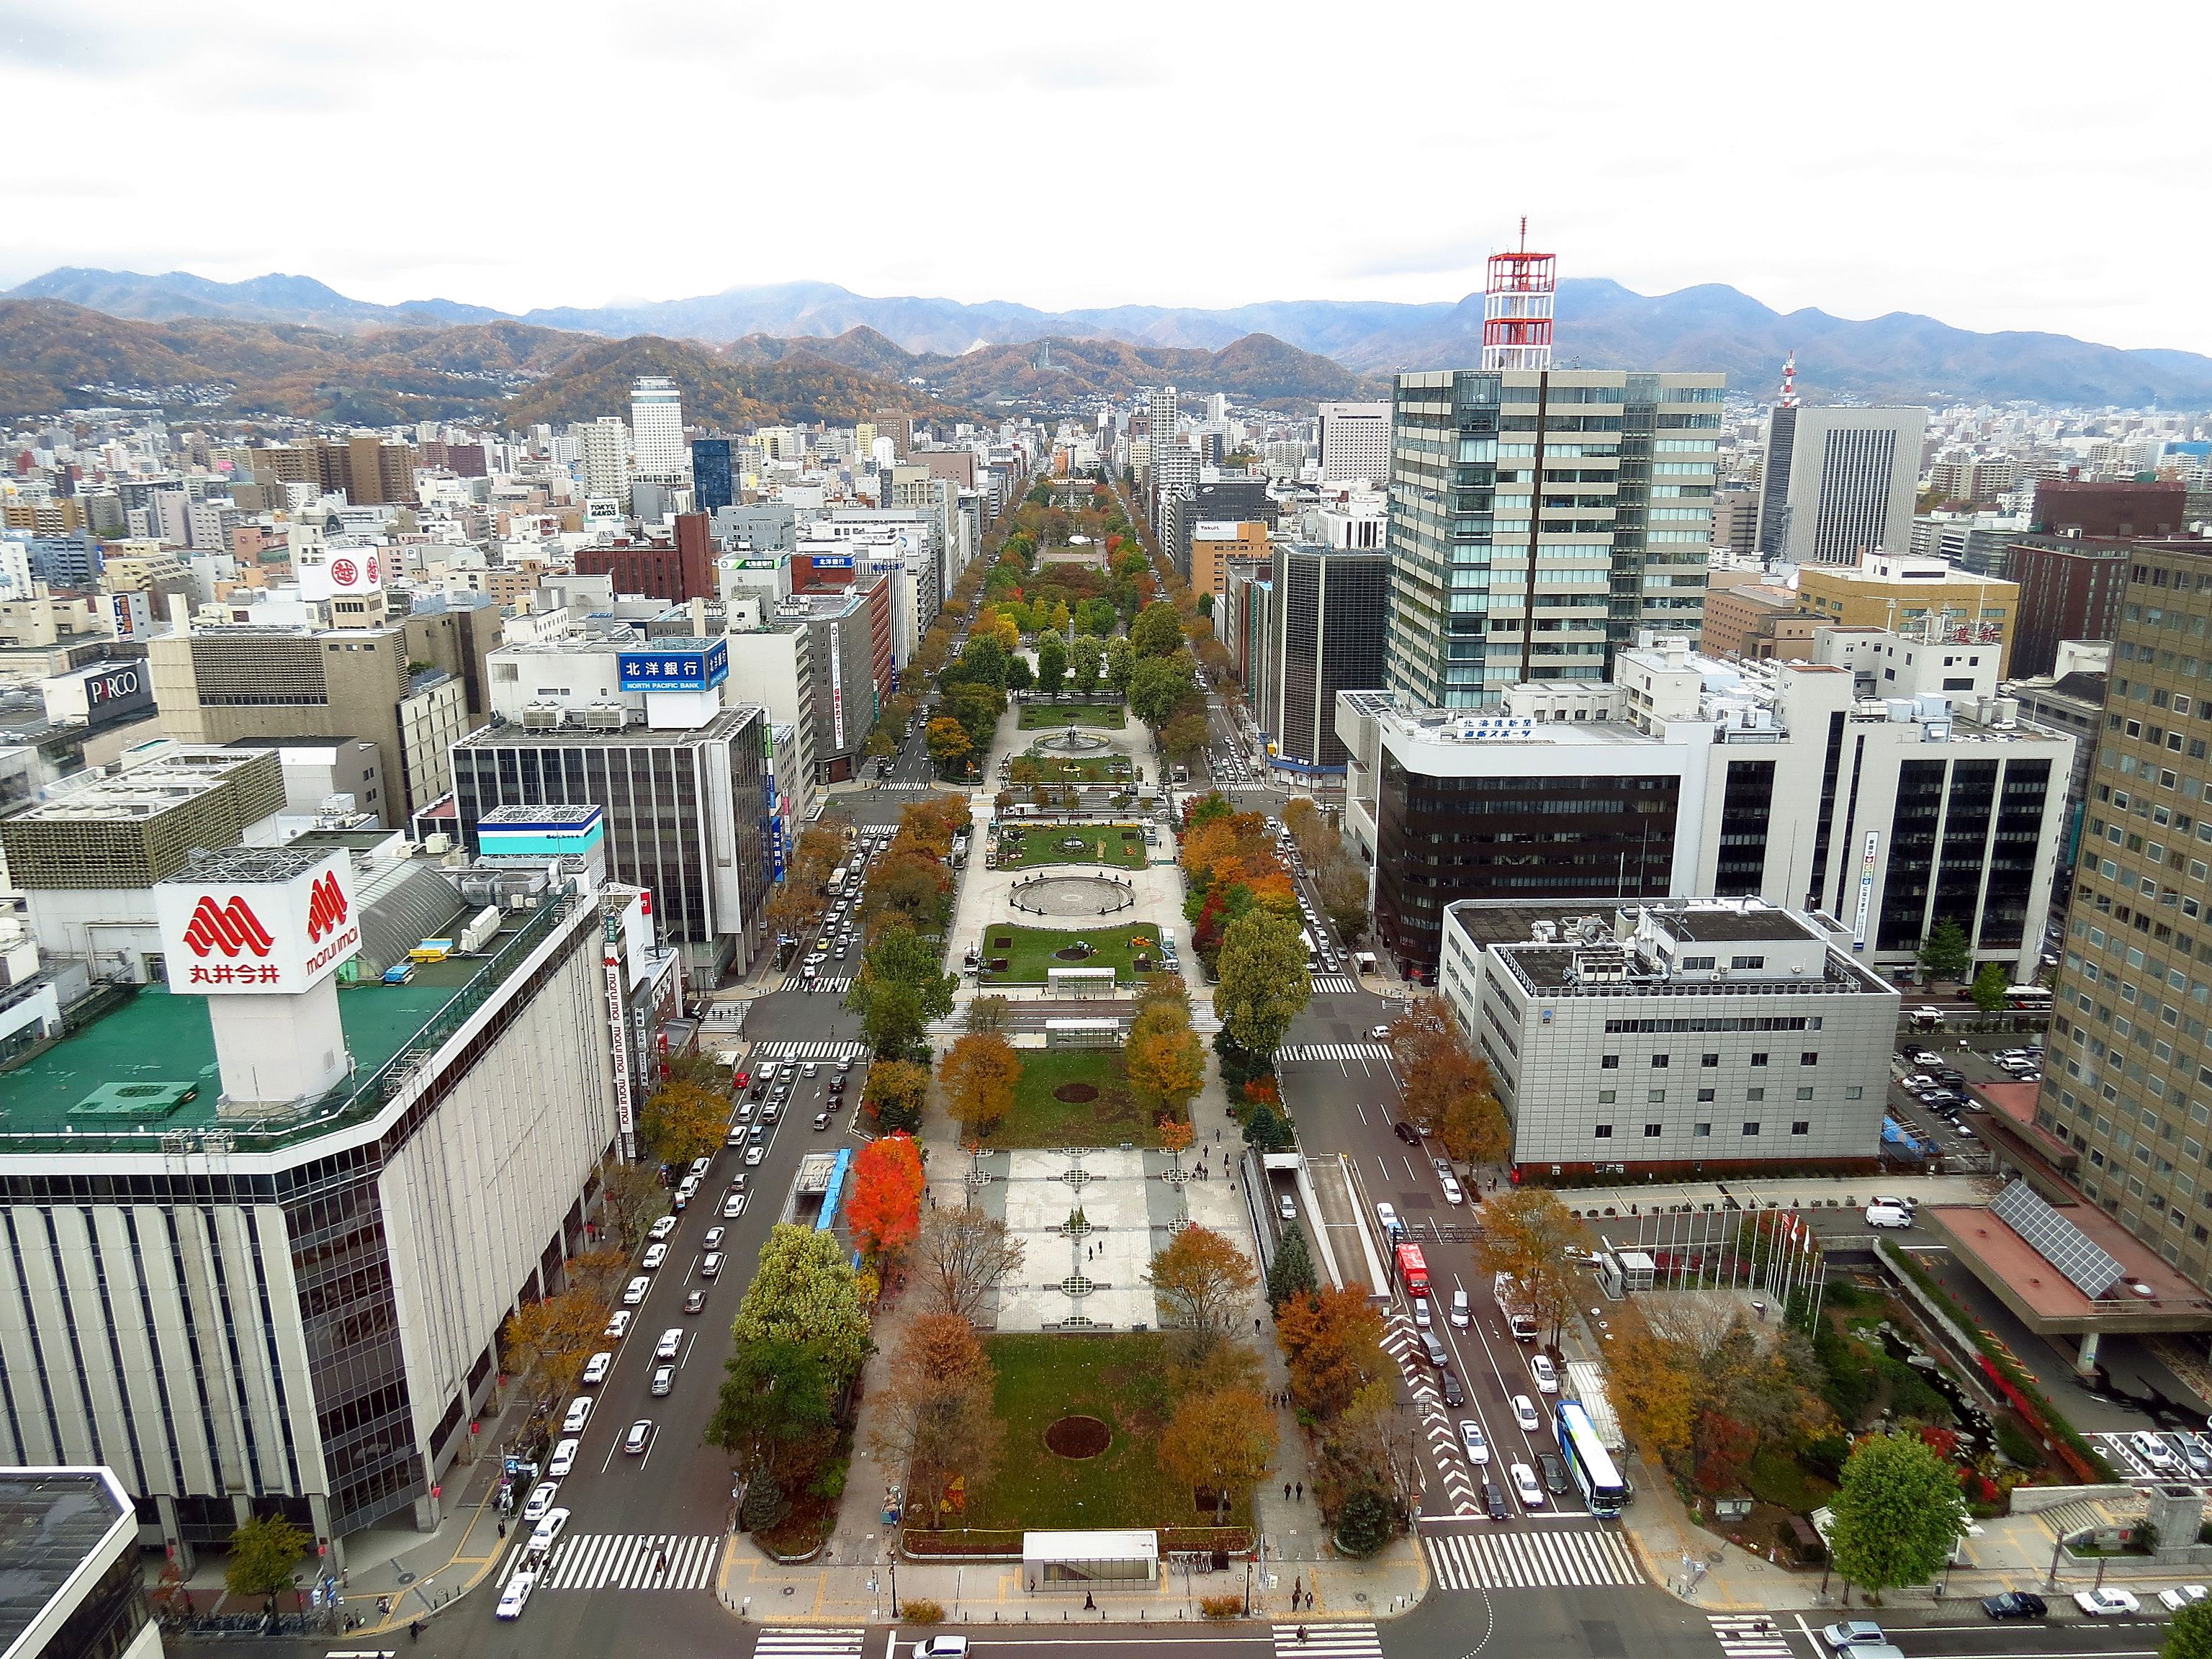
[(1788, 398), (1517, 308)]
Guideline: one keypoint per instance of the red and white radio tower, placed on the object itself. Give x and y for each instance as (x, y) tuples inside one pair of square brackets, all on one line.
[(1788, 398), (1517, 308)]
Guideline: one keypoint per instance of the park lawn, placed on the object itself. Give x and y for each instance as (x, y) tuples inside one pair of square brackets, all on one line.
[(1038, 1119), (1118, 844), (1058, 716), (1121, 1380), (1028, 951)]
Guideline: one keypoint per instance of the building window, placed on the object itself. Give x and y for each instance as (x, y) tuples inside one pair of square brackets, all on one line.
[(1659, 1062), (1751, 1128), (1808, 1059), (1755, 1094), (1751, 965), (1701, 1129), (1805, 1093), (1854, 1092), (1609, 1063), (1704, 1094), (1759, 1060), (1708, 1060), (1801, 1126), (1603, 1132), (1656, 1096), (1605, 1096), (1651, 1131)]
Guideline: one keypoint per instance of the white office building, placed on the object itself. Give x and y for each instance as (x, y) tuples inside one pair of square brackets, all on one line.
[(1355, 443), (606, 460), (656, 424), (1839, 482)]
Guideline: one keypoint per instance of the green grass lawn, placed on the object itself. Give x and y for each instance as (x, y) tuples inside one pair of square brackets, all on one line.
[(1121, 1380), (1119, 844), (1039, 1118), (1058, 717), (1028, 951)]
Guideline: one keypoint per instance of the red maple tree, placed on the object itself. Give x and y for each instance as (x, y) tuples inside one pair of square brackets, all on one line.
[(884, 1209)]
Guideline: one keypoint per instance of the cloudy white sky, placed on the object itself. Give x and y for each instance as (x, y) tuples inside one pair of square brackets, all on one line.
[(1996, 167)]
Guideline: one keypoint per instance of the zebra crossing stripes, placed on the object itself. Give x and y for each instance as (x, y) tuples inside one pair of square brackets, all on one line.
[(1445, 1449), (1352, 1640), (1549, 1556), (632, 1560), (831, 987), (1749, 1636), (1336, 985), (788, 1050), (1296, 1051), (802, 1642)]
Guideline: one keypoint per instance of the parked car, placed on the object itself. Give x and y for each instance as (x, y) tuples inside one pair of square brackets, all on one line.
[(662, 1228), (2182, 1595), (634, 1292), (541, 1500), (563, 1458), (655, 1255), (2015, 1604), (1555, 1470), (1422, 1320), (580, 1412), (1452, 1193), (2148, 1448), (2106, 1603), (1547, 1377), (1461, 1315), (1493, 1502), (596, 1369), (618, 1323), (1387, 1217), (1454, 1395), (941, 1647)]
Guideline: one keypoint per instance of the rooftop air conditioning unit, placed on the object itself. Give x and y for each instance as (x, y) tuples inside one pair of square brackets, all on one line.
[(606, 717), (541, 716)]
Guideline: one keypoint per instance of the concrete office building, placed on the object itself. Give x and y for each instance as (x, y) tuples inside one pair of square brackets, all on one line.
[(1884, 784), (606, 456), (1488, 590), (1214, 543), (2069, 589), (1924, 596), (1839, 483), (261, 1295), (1234, 499), (1326, 622), (2071, 699), (1355, 443), (1673, 1037), (75, 1588), (2109, 510), (656, 424)]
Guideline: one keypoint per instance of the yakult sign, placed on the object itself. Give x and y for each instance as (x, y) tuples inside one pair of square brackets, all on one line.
[(255, 921)]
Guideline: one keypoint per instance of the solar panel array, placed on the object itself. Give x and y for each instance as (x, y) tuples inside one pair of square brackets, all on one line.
[(2091, 1269)]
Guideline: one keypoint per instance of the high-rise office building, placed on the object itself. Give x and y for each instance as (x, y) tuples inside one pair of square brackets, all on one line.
[(1355, 442), (656, 422), (606, 459), (713, 474), (1324, 635), (1487, 588), (1839, 482)]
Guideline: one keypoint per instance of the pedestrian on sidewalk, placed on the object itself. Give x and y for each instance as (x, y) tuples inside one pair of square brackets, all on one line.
[(1302, 1491), (1286, 1491)]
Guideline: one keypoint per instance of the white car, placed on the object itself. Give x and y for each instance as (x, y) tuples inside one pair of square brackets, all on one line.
[(2182, 1595), (1470, 1435), (671, 1344), (1548, 1378), (541, 1500), (713, 1240), (754, 1154), (734, 1207), (1378, 1034), (1531, 1490), (2106, 1603), (1387, 1215), (662, 1228), (634, 1292), (1421, 1317), (563, 1458), (580, 1412), (555, 1523), (655, 1255), (515, 1596), (2154, 1451), (618, 1324), (596, 1369), (941, 1647), (1452, 1193), (1524, 1413)]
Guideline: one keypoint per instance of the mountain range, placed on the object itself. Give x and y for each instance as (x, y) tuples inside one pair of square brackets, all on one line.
[(948, 343)]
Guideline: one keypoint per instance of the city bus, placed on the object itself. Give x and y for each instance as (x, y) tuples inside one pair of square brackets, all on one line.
[(1589, 1463)]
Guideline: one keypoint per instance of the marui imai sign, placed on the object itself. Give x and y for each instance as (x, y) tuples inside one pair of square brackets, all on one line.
[(227, 937)]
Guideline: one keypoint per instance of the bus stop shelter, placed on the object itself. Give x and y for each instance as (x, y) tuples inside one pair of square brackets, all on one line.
[(1085, 1561)]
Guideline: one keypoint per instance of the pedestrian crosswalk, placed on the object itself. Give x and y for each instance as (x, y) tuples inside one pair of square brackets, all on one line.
[(804, 1642), (632, 1560), (819, 986), (1350, 1639), (1334, 985), (1297, 1051), (1749, 1636), (913, 789), (781, 1049), (1525, 1557)]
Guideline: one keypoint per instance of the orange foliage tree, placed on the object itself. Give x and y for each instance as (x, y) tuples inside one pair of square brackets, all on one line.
[(884, 1209), (1333, 1342)]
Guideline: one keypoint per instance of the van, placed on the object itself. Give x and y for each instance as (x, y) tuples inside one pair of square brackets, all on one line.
[(1888, 1215), (1438, 1355)]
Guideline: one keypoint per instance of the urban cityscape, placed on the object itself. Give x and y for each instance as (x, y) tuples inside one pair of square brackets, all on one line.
[(672, 975)]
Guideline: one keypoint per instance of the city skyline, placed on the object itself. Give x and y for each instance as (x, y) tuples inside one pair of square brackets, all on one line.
[(1860, 163)]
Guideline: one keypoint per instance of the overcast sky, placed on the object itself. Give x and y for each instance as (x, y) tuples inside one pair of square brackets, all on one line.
[(2015, 166)]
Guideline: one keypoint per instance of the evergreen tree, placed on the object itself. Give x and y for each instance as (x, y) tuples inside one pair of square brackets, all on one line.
[(1292, 1274)]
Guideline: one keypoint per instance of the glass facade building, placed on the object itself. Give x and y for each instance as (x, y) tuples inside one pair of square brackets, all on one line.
[(1539, 519), (713, 475)]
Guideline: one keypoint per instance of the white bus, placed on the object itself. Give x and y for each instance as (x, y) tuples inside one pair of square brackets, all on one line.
[(837, 878), (1588, 1462)]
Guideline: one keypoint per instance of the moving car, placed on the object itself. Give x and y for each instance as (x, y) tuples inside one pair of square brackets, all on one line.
[(1850, 1634), (663, 1379), (821, 1121), (754, 1154), (1452, 1193), (596, 1369), (1438, 1355), (734, 1207), (1470, 1435), (1454, 1395), (1526, 1486), (713, 1241), (1888, 1215), (2106, 1603), (1461, 1315), (1421, 1319), (696, 1302), (541, 1500), (1548, 1379), (2015, 1604), (1524, 1413), (640, 1435), (941, 1647), (1493, 1502), (1555, 1470), (710, 1264), (515, 1596), (580, 1412), (1285, 1208), (1386, 1216), (670, 1343), (563, 1458), (1378, 1034), (1406, 1133)]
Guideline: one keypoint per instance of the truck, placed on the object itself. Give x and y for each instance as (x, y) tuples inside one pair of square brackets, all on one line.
[(1514, 1306), (1413, 1269), (1900, 1142)]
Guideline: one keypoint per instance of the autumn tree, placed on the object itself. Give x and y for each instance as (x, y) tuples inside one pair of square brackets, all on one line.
[(805, 1291), (961, 1258), (1654, 1383), (989, 1014), (264, 1552), (1156, 632), (1263, 981), (681, 1120), (934, 1419), (1163, 1060), (949, 743), (551, 1337), (1203, 1283), (896, 1092), (1528, 1233), (1332, 1342), (632, 1198), (1184, 739), (1220, 1440), (1341, 881), (979, 1075), (1447, 1084), (598, 1273), (884, 1209)]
